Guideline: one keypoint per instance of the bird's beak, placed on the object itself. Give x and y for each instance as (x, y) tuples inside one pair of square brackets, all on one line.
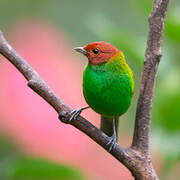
[(81, 50)]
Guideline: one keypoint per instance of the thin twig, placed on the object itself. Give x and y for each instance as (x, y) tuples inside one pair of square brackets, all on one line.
[(136, 158)]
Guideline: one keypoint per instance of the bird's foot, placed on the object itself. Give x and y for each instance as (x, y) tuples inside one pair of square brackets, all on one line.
[(112, 142), (74, 114)]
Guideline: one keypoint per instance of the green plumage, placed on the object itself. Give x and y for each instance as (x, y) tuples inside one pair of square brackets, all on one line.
[(108, 87)]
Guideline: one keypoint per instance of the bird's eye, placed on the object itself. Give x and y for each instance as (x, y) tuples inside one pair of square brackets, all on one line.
[(95, 51)]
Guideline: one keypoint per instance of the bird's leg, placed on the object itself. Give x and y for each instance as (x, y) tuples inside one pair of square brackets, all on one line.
[(76, 113), (113, 138)]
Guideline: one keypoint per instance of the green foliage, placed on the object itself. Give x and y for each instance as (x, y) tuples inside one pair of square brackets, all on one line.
[(32, 168), (168, 112), (173, 25), (14, 166)]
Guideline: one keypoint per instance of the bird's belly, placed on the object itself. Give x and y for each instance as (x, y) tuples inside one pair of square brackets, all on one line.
[(107, 94)]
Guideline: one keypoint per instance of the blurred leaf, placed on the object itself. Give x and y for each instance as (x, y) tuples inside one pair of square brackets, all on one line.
[(169, 111), (14, 166), (172, 28), (166, 124), (32, 168), (8, 154), (166, 109)]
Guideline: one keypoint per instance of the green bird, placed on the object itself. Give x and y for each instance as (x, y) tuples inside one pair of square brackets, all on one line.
[(108, 85)]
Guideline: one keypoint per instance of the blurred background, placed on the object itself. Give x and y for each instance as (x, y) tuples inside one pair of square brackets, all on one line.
[(33, 143)]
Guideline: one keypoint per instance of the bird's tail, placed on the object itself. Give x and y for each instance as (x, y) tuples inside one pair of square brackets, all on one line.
[(107, 125)]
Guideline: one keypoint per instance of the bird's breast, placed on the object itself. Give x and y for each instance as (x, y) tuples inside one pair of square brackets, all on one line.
[(107, 92)]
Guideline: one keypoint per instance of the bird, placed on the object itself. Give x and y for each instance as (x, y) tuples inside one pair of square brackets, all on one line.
[(108, 85)]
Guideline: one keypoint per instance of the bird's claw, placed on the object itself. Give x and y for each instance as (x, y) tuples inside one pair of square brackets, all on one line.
[(112, 142), (76, 113)]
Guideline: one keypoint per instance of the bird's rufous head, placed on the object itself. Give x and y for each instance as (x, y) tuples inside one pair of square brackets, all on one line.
[(98, 52)]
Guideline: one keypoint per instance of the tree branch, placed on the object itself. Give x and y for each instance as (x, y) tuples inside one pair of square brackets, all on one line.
[(152, 58), (136, 158)]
